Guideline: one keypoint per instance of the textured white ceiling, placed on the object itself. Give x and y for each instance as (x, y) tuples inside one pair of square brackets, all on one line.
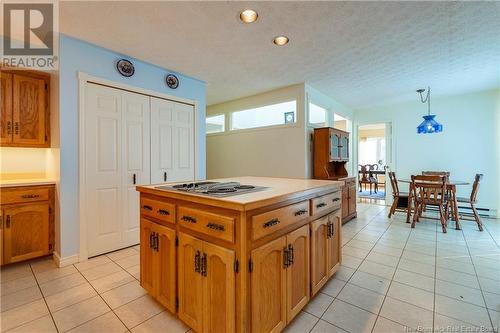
[(360, 53)]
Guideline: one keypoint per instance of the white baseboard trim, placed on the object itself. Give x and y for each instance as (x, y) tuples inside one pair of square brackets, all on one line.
[(62, 262)]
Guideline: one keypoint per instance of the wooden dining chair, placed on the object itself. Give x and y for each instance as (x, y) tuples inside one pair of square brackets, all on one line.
[(364, 177), (472, 200), (400, 199), (438, 173), (430, 190)]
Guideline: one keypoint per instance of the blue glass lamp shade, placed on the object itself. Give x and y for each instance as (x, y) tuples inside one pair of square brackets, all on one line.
[(429, 125)]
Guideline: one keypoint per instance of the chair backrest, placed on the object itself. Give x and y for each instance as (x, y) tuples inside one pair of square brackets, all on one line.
[(394, 183), (429, 188), (437, 173), (475, 187), (364, 172)]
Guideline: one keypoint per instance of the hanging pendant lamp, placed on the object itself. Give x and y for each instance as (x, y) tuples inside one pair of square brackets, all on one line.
[(429, 125)]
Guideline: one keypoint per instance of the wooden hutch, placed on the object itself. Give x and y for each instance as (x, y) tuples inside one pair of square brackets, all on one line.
[(331, 153)]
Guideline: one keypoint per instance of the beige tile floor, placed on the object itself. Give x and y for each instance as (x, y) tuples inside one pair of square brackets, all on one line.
[(393, 279)]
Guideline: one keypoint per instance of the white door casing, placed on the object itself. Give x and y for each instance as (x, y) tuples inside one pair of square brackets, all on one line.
[(172, 141)]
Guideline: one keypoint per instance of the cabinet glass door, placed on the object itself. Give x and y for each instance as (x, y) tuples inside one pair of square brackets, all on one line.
[(334, 147), (344, 150)]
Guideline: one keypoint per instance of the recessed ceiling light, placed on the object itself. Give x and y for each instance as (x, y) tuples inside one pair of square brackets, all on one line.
[(248, 16), (280, 40)]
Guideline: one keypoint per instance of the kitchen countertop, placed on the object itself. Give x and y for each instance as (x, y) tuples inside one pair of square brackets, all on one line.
[(279, 189), (26, 182)]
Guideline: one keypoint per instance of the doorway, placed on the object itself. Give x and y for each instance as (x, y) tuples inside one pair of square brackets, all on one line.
[(372, 161)]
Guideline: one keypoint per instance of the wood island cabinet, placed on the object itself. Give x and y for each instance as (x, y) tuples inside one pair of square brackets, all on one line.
[(26, 222), (24, 109), (227, 267)]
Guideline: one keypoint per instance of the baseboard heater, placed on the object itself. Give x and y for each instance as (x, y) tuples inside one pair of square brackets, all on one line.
[(467, 211)]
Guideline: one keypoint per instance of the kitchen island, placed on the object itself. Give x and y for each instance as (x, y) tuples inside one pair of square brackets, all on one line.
[(243, 254)]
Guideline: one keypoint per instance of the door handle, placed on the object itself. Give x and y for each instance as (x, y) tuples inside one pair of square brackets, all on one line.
[(16, 127), (1, 222), (165, 176), (9, 127), (134, 178), (204, 265), (151, 240), (290, 255), (156, 245), (285, 257), (7, 222), (197, 262), (328, 230)]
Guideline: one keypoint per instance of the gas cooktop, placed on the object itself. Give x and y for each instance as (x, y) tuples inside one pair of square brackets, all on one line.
[(214, 189)]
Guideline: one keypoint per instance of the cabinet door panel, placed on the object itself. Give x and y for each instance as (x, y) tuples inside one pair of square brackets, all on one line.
[(6, 108), (335, 244), (29, 110), (345, 201), (319, 251), (165, 267), (219, 290), (147, 275), (26, 232), (269, 287), (298, 271), (190, 282), (352, 199)]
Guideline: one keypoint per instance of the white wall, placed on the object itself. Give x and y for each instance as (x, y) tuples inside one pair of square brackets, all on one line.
[(469, 143), (276, 151)]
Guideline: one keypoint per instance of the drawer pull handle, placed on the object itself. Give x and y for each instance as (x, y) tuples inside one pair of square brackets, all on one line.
[(300, 212), (30, 196), (271, 223), (216, 226), (147, 207), (163, 212), (188, 219), (336, 199), (321, 204)]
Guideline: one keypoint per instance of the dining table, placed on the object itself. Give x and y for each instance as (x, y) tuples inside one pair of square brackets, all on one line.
[(451, 186)]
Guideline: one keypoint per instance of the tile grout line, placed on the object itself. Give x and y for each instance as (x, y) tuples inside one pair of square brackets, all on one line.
[(390, 283), (479, 282), (44, 300)]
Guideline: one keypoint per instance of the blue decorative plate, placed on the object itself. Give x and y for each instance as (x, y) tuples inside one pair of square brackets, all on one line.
[(125, 67), (172, 81)]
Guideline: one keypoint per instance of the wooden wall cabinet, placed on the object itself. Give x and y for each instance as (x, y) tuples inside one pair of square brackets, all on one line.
[(326, 244), (280, 280), (26, 223), (159, 252), (206, 285), (24, 109)]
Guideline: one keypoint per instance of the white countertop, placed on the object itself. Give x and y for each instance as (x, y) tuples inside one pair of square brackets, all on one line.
[(26, 182)]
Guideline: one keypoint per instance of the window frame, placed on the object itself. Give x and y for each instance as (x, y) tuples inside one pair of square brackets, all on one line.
[(225, 115), (266, 127)]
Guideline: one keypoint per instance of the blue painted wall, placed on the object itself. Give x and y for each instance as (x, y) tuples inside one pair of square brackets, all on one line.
[(76, 55)]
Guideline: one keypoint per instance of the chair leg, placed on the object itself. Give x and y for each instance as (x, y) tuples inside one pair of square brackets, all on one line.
[(393, 207), (443, 221), (476, 216), (415, 215)]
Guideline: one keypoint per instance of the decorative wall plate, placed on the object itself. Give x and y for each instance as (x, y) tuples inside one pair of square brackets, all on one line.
[(172, 81), (125, 67)]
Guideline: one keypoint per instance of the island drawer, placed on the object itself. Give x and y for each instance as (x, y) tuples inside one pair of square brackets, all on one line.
[(25, 194), (160, 210), (211, 224), (326, 203), (269, 222)]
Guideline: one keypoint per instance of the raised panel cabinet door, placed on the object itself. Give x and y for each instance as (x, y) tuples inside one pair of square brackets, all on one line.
[(190, 280), (352, 199), (335, 243), (268, 284), (26, 232), (164, 266), (344, 150), (146, 254), (219, 302), (29, 100), (334, 146), (298, 271), (5, 108), (135, 142), (319, 254), (345, 201)]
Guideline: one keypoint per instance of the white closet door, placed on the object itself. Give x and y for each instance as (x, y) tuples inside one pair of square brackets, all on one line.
[(117, 147), (103, 169), (172, 141), (136, 160)]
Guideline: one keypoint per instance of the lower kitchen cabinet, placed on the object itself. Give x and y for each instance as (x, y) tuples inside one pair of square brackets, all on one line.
[(280, 280), (326, 245), (26, 223), (159, 255), (349, 199), (206, 285)]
